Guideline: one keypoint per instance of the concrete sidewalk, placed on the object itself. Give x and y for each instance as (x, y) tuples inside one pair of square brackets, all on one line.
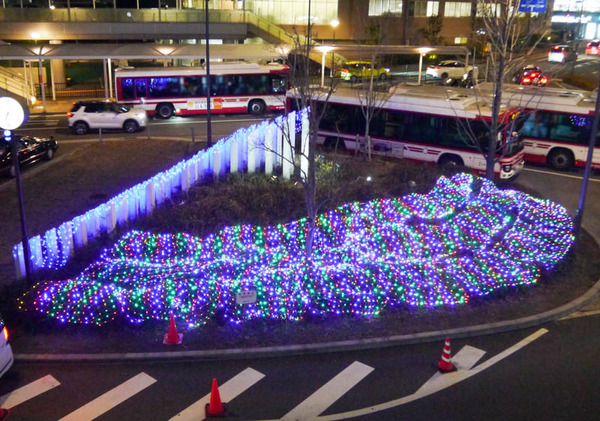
[(59, 106)]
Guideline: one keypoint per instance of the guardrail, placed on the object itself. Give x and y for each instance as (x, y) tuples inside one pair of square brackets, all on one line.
[(260, 147), (61, 90), (13, 82), (122, 15)]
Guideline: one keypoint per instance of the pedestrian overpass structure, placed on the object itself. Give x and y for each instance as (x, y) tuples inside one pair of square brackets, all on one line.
[(231, 26)]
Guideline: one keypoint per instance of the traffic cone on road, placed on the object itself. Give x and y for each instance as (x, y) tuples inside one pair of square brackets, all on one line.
[(445, 364), (173, 338), (215, 409)]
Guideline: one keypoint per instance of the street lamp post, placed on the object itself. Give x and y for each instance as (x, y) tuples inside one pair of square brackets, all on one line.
[(334, 24), (208, 116), (578, 219), (12, 116)]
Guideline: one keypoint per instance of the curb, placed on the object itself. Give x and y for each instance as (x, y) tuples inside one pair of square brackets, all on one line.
[(349, 345)]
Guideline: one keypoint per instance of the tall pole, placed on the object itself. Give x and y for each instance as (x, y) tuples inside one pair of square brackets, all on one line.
[(208, 84), (334, 24), (588, 166), (24, 237)]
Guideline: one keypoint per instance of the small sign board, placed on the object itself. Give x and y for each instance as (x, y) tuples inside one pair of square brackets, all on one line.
[(246, 297), (533, 6)]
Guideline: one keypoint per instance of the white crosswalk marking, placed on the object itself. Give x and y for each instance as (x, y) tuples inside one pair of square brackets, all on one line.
[(28, 391), (464, 360), (227, 391), (110, 399), (330, 392)]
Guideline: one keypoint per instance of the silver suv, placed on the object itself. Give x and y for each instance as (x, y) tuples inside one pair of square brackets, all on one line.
[(86, 115)]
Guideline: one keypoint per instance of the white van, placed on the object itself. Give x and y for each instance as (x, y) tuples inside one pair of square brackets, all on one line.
[(6, 354)]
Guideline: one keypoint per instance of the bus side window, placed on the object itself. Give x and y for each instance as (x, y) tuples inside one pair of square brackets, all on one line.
[(161, 87), (394, 125), (566, 127), (277, 85), (537, 125), (127, 89), (141, 86)]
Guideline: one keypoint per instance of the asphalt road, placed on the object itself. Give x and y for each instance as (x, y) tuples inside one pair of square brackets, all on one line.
[(542, 373), (44, 125)]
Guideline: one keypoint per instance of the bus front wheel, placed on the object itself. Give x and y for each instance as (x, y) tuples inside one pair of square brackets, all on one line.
[(257, 107), (451, 161), (561, 159), (164, 111)]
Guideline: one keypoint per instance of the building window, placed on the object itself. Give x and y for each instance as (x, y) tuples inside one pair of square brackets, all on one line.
[(295, 12), (576, 6), (455, 9), (379, 7), (460, 40), (423, 8), (487, 10)]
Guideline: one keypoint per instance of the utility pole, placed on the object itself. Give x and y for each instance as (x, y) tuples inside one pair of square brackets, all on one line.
[(208, 84), (588, 166)]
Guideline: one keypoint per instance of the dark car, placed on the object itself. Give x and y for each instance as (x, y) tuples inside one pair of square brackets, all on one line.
[(31, 150), (530, 75)]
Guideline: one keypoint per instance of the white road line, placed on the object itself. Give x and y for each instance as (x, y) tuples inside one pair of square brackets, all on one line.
[(110, 399), (577, 177), (227, 391), (464, 360), (204, 122), (28, 391), (330, 392), (458, 376)]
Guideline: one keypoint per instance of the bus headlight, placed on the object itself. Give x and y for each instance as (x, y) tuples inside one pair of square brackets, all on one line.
[(507, 168)]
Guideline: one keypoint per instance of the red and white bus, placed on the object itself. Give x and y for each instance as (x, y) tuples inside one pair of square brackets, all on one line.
[(420, 123), (235, 88), (556, 125)]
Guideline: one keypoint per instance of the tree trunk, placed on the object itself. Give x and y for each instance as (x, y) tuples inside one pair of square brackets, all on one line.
[(493, 140), (310, 190)]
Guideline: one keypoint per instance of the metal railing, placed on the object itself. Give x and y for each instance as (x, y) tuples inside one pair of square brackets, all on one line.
[(61, 90), (13, 82), (121, 15)]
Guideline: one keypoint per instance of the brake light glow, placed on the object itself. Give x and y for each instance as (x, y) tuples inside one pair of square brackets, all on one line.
[(544, 80), (69, 114), (5, 333), (526, 80)]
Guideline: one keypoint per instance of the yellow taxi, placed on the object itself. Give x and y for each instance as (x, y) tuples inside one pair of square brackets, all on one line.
[(354, 70)]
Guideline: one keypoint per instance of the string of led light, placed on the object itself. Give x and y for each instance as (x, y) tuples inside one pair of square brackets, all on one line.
[(464, 238)]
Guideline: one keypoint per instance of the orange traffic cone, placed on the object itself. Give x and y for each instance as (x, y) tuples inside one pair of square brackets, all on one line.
[(215, 409), (445, 364), (173, 338)]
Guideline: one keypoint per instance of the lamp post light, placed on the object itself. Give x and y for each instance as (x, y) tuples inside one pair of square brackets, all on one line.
[(334, 24), (12, 116), (422, 52), (324, 49)]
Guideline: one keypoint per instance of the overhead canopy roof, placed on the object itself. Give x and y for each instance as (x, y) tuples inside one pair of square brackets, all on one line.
[(195, 51), (141, 51)]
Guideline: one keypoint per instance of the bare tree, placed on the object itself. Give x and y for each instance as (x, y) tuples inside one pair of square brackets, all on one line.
[(308, 94), (372, 98), (510, 41)]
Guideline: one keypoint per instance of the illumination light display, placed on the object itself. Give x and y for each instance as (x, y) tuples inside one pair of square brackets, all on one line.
[(465, 238)]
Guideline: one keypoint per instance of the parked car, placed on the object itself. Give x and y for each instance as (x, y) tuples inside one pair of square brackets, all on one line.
[(354, 70), (6, 354), (449, 69), (86, 115), (593, 47), (562, 54), (530, 75), (31, 150)]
